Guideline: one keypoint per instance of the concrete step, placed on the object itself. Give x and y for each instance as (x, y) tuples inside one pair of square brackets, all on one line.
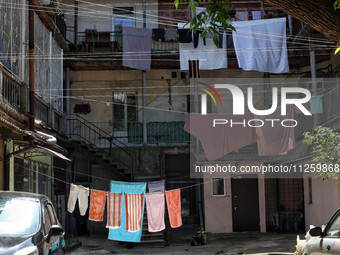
[(146, 235), (150, 243)]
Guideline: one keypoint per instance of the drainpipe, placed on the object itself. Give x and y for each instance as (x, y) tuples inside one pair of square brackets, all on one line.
[(313, 72), (145, 136), (68, 111), (144, 13), (145, 128), (9, 156), (75, 24), (290, 25), (31, 62), (49, 138)]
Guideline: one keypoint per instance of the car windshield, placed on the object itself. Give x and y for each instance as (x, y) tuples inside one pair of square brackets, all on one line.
[(19, 216)]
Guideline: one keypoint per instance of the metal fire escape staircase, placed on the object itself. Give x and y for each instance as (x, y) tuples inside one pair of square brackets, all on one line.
[(100, 147)]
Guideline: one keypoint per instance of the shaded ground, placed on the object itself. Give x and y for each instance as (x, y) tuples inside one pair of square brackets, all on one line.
[(242, 243)]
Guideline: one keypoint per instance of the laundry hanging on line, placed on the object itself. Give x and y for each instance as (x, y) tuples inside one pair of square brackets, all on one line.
[(173, 201), (125, 208), (155, 211), (137, 48), (114, 210), (278, 140), (97, 205), (81, 193), (210, 57), (157, 186), (222, 139), (121, 234), (134, 209), (261, 45)]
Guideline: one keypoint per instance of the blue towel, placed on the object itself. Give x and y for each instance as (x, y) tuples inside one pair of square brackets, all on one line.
[(120, 234), (156, 186)]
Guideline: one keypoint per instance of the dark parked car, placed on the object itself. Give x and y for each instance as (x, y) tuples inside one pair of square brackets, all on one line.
[(28, 225), (326, 241)]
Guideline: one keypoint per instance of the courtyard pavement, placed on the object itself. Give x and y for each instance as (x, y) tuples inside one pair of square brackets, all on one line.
[(240, 243)]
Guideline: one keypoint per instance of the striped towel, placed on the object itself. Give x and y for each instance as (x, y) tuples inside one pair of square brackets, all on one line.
[(134, 210), (114, 210)]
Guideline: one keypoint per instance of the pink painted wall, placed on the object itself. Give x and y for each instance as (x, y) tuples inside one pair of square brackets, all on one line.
[(325, 198), (218, 213), (218, 210)]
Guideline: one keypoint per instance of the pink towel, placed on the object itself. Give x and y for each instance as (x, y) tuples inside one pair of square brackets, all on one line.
[(134, 210), (276, 139), (97, 205), (155, 210), (173, 200), (114, 210), (222, 139)]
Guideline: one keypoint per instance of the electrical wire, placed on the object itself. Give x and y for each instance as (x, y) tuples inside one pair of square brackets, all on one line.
[(101, 12), (92, 176)]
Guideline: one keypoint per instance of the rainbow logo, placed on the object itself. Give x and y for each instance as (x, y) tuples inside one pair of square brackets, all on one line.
[(209, 93)]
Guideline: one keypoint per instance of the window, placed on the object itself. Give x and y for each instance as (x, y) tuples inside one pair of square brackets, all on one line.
[(125, 109), (19, 216), (123, 17), (218, 186), (334, 226)]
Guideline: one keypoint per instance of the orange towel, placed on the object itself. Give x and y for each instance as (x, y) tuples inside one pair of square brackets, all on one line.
[(134, 210), (114, 210), (173, 200), (97, 205)]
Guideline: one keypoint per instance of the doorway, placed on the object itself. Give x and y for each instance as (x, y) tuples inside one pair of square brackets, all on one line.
[(245, 203)]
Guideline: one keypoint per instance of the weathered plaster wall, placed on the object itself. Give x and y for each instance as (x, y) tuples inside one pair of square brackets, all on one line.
[(218, 210), (325, 199)]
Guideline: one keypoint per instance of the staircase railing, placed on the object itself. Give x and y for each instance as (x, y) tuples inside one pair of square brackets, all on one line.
[(87, 132)]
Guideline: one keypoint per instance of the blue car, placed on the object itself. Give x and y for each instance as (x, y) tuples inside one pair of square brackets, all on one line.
[(29, 225)]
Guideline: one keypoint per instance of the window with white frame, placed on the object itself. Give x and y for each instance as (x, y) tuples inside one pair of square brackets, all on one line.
[(123, 17), (218, 187), (124, 109)]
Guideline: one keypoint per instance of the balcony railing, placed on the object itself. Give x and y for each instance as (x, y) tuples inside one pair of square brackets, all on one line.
[(14, 93), (11, 91), (157, 132)]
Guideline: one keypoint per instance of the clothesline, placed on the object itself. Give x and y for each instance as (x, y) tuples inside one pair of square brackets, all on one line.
[(36, 171)]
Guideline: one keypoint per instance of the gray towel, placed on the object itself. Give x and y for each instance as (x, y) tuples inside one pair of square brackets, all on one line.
[(137, 48)]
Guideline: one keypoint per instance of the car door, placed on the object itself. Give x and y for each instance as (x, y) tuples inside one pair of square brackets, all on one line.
[(330, 242), (49, 219)]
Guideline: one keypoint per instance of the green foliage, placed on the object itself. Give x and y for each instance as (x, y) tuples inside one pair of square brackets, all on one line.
[(336, 4), (71, 240), (216, 12), (56, 4), (326, 145)]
